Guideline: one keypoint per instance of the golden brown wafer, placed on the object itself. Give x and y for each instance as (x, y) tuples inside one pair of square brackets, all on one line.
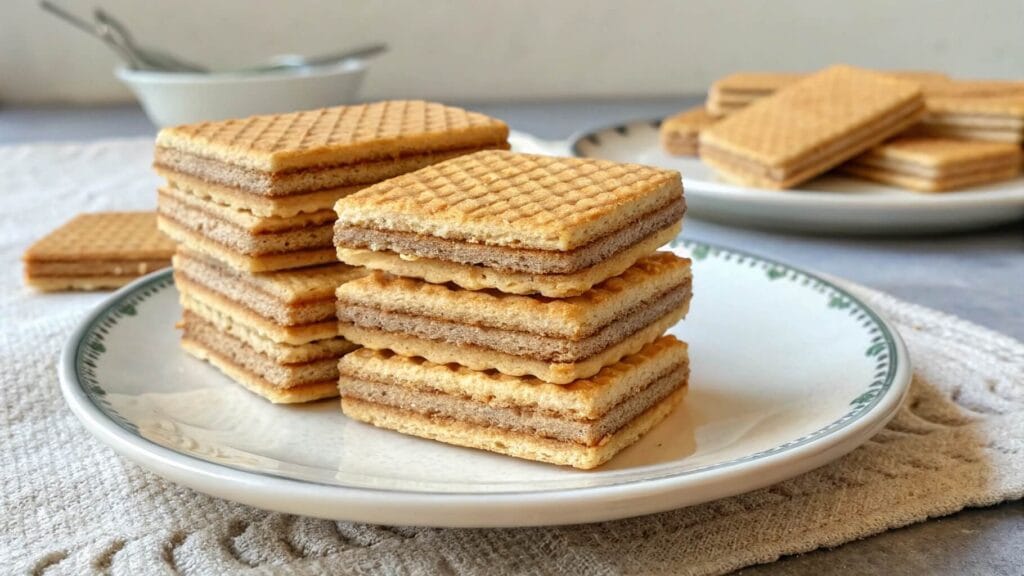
[(255, 382), (479, 358), (584, 399), (518, 444), (936, 164), (515, 200), (680, 134), (582, 424), (335, 136), (238, 260), (97, 250), (479, 278), (810, 126)]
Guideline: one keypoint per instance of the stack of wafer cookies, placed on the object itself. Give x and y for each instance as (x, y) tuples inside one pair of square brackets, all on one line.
[(275, 333), (975, 110), (936, 164), (251, 202), (810, 126), (97, 251), (257, 192), (517, 306), (778, 130)]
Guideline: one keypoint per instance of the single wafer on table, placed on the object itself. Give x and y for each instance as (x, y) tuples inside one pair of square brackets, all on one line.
[(583, 424), (274, 333), (936, 164), (518, 223), (810, 126), (257, 193), (680, 133), (97, 251), (556, 340)]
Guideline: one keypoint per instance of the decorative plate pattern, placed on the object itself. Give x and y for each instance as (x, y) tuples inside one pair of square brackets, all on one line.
[(764, 403)]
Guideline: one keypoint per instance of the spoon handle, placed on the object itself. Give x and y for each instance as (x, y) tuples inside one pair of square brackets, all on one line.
[(361, 52)]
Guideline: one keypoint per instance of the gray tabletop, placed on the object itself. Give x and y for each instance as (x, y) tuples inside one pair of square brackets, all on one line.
[(977, 276)]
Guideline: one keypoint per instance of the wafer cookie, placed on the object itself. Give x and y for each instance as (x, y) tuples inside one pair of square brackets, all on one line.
[(329, 137), (555, 340), (583, 424), (97, 251), (495, 218), (254, 382), (937, 164), (975, 110), (292, 306), (680, 134), (810, 126)]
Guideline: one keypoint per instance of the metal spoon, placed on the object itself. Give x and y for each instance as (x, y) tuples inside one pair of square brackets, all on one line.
[(102, 32), (297, 61), (116, 36), (154, 59)]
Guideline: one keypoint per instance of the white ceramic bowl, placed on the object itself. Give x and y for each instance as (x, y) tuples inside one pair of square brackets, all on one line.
[(171, 98)]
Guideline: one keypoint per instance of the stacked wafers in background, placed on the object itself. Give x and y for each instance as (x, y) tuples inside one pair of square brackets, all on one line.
[(778, 130), (250, 202), (518, 304)]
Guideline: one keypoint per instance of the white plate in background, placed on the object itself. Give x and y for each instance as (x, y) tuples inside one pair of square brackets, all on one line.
[(829, 204)]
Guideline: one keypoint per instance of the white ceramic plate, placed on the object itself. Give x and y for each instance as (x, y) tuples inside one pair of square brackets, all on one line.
[(830, 204), (790, 371)]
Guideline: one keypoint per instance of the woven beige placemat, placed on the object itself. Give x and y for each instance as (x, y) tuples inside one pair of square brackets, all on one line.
[(69, 505)]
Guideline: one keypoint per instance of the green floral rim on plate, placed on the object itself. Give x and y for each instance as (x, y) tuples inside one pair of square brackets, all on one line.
[(881, 349)]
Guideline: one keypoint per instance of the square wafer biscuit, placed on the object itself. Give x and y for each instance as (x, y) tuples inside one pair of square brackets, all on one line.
[(333, 136), (936, 164), (504, 213), (810, 126), (555, 340), (97, 251), (583, 424), (680, 133)]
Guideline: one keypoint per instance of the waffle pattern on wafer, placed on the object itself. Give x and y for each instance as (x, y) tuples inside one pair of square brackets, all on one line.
[(104, 236), (808, 114), (517, 200), (342, 134)]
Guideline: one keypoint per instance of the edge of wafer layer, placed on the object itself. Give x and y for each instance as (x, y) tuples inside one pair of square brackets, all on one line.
[(581, 425)]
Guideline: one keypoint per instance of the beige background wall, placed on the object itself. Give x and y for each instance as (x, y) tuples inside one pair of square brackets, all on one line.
[(487, 50)]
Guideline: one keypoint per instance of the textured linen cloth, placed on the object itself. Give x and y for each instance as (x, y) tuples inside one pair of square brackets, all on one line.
[(69, 505)]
